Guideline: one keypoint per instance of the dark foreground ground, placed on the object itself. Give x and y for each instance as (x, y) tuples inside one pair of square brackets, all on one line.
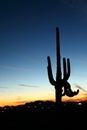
[(71, 117)]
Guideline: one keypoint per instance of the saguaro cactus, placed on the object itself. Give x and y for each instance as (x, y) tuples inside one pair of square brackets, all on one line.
[(62, 86)]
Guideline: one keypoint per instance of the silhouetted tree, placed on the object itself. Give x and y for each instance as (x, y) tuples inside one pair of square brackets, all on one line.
[(62, 86)]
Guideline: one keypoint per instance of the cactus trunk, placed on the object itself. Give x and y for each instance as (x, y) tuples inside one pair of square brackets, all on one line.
[(58, 88), (58, 97)]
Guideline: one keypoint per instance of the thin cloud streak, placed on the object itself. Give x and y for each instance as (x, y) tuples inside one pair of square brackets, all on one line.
[(81, 88), (21, 102), (14, 67), (26, 85), (3, 87)]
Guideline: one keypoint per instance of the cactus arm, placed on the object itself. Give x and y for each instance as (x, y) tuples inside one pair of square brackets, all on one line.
[(49, 69), (68, 91), (64, 68), (71, 94), (66, 85), (68, 68), (66, 71)]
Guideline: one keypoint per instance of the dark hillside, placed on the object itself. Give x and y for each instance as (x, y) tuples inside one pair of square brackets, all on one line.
[(42, 115)]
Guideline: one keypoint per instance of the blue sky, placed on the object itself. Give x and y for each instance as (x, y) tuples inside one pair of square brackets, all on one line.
[(28, 36)]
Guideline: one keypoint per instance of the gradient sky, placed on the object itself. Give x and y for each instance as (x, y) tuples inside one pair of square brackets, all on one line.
[(28, 36)]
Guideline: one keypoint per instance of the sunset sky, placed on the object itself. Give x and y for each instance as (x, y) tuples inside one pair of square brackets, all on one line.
[(28, 36)]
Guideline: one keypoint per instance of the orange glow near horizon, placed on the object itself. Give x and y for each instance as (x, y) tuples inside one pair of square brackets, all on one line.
[(78, 98), (15, 102)]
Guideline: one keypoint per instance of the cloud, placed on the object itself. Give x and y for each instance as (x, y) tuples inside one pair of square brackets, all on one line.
[(3, 87), (13, 67), (21, 102), (81, 88), (26, 85)]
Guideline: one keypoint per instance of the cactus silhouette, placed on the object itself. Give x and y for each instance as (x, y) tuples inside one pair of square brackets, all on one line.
[(62, 86)]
